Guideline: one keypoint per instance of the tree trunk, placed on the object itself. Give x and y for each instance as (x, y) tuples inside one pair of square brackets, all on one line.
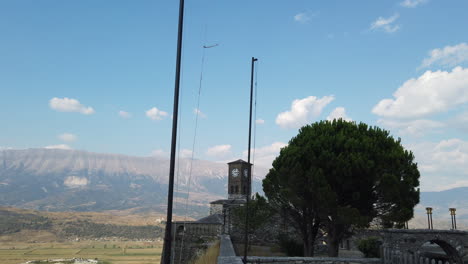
[(333, 247), (306, 240), (309, 242), (333, 241)]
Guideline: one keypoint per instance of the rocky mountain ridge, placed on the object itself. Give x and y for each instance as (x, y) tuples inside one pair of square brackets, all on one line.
[(57, 180)]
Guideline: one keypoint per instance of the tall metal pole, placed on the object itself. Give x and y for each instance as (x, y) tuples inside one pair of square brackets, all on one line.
[(166, 257), (246, 238)]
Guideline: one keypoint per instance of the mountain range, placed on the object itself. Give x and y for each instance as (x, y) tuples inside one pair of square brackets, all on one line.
[(72, 180), (60, 180)]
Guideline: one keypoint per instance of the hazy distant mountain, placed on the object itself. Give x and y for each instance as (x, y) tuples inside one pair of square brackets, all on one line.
[(59, 180), (56, 180), (441, 202)]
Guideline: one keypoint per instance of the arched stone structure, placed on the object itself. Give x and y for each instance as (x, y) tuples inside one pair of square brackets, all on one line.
[(405, 246)]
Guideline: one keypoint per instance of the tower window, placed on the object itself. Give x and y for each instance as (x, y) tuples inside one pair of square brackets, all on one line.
[(245, 189), (237, 188), (232, 189)]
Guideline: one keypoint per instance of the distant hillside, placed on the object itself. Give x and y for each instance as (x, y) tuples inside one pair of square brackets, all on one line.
[(61, 226), (64, 180), (441, 202)]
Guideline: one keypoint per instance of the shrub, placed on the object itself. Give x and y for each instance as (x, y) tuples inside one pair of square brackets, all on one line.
[(290, 247), (370, 247)]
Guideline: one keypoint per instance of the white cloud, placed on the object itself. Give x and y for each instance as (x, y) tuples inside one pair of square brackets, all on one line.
[(338, 113), (5, 148), (159, 153), (264, 156), (69, 105), (124, 114), (60, 146), (303, 111), (442, 164), (448, 56), (219, 151), (432, 92), (417, 128), (460, 121), (456, 184), (155, 114), (412, 3), (302, 18), (67, 137), (185, 153), (386, 24), (198, 112), (260, 121)]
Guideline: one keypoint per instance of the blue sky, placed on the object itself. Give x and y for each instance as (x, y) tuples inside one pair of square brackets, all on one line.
[(99, 75)]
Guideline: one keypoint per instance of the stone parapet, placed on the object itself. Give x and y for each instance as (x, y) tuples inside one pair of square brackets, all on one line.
[(311, 260), (227, 255)]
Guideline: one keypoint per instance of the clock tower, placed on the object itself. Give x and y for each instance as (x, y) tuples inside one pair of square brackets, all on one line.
[(239, 183)]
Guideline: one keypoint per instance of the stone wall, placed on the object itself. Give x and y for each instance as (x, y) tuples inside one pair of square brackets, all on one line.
[(406, 246), (228, 256), (191, 239), (310, 260), (268, 233)]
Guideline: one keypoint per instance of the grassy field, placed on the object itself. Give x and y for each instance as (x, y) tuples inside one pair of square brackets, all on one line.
[(114, 252)]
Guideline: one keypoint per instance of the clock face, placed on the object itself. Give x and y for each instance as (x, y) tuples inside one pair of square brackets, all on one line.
[(246, 173), (235, 172)]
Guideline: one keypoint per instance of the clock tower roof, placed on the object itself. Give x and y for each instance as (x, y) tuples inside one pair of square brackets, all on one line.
[(239, 161)]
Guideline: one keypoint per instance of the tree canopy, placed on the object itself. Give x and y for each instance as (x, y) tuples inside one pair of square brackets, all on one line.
[(336, 175)]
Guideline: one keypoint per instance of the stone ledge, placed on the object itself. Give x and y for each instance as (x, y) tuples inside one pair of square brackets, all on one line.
[(424, 231), (226, 249), (311, 260), (230, 260)]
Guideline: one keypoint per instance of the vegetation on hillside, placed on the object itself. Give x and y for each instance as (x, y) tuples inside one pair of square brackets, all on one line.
[(13, 221), (92, 230)]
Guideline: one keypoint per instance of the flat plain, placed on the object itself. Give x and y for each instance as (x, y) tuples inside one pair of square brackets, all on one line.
[(112, 252)]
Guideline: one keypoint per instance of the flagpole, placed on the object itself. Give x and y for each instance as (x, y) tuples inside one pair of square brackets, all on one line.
[(166, 256)]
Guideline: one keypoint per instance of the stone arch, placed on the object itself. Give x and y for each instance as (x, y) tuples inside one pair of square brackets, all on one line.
[(448, 248)]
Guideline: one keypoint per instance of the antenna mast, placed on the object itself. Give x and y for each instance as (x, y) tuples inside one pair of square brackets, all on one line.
[(249, 192), (166, 256)]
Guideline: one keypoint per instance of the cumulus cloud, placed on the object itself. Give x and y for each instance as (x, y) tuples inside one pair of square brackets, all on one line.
[(442, 164), (338, 113), (69, 105), (219, 151), (417, 128), (260, 121), (67, 137), (265, 155), (448, 56), (412, 3), (386, 24), (303, 111), (60, 146), (156, 114), (198, 112), (460, 121), (432, 92), (124, 114)]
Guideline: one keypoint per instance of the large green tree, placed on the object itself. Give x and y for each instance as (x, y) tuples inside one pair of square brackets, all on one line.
[(337, 175)]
